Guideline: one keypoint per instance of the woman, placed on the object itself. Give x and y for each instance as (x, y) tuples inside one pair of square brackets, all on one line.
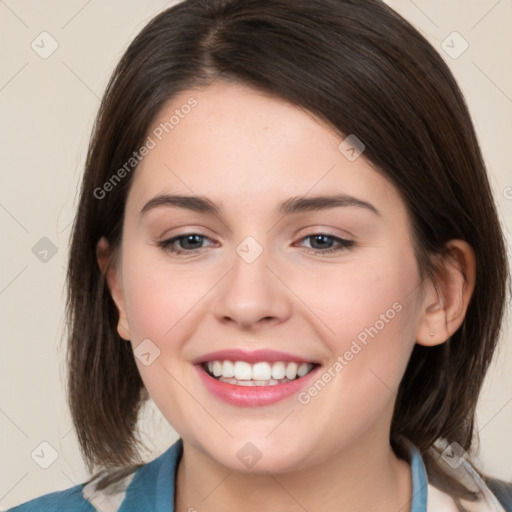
[(287, 239)]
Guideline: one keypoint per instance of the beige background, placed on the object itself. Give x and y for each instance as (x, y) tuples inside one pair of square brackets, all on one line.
[(47, 108)]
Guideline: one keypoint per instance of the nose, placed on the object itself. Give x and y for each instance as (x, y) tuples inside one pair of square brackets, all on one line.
[(252, 295)]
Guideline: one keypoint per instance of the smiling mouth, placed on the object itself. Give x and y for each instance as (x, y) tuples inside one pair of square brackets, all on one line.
[(263, 373)]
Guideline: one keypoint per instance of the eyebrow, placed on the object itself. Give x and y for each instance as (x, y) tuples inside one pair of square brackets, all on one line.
[(292, 205)]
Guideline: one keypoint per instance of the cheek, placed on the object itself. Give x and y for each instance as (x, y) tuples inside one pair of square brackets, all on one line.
[(369, 310), (373, 310), (161, 299)]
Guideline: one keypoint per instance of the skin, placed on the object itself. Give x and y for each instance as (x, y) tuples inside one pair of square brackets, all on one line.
[(247, 152)]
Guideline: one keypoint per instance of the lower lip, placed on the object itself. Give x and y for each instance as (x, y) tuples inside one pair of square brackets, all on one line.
[(253, 396)]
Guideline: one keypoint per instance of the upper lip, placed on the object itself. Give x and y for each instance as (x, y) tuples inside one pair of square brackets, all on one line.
[(253, 356)]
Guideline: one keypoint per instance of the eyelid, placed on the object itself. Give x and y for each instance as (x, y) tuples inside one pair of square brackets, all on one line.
[(319, 229)]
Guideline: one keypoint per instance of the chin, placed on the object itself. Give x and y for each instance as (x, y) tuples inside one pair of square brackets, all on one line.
[(258, 457)]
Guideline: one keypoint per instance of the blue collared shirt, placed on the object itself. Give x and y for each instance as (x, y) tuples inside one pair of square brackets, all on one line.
[(151, 488)]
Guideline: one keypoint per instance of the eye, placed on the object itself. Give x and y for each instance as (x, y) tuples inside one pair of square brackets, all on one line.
[(324, 242), (189, 243), (182, 244)]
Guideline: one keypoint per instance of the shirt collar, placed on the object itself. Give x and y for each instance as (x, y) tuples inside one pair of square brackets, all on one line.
[(419, 481), (161, 473)]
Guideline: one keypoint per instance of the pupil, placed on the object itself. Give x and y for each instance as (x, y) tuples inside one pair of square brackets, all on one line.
[(191, 239), (320, 238)]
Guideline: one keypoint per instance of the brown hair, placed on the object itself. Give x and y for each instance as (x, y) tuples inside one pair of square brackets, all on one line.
[(362, 69)]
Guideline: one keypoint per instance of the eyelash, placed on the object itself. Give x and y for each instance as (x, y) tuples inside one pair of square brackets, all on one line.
[(344, 244)]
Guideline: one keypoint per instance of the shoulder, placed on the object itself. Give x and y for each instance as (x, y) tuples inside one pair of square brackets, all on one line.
[(69, 499), (453, 474), (502, 490), (148, 487)]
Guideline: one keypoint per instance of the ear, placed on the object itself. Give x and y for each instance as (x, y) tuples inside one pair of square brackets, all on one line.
[(110, 268), (447, 297)]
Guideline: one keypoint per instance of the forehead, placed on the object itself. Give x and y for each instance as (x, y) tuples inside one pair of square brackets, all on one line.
[(240, 146)]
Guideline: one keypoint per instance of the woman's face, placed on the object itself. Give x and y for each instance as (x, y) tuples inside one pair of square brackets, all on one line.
[(290, 253)]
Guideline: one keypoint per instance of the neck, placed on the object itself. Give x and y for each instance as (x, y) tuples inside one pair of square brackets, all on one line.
[(365, 476)]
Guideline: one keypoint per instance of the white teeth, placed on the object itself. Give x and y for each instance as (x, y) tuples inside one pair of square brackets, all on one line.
[(260, 373), (243, 371), (228, 369), (249, 383), (304, 369), (291, 371), (278, 370), (217, 368)]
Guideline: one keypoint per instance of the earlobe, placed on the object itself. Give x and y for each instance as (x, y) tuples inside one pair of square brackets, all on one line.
[(447, 296), (108, 266)]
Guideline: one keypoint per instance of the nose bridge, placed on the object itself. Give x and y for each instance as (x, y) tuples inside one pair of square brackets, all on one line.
[(251, 292)]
